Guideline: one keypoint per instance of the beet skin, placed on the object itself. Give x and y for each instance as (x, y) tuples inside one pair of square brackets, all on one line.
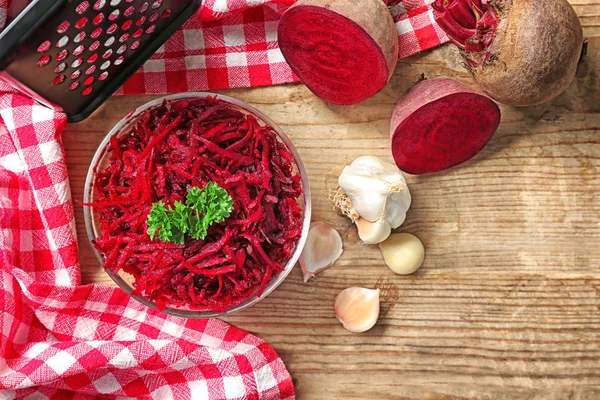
[(441, 123), (521, 52)]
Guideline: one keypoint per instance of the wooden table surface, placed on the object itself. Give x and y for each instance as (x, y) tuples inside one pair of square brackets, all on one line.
[(507, 304)]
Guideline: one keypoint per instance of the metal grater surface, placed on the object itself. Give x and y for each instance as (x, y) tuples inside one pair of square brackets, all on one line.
[(86, 49)]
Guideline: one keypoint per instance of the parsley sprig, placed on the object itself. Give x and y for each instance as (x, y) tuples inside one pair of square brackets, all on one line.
[(202, 208)]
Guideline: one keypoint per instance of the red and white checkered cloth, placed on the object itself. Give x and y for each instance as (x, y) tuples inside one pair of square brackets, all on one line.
[(61, 340), (233, 43)]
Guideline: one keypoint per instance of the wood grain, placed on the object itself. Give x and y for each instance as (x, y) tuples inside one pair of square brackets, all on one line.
[(507, 305)]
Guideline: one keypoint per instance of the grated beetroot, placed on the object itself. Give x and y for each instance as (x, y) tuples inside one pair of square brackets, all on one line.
[(172, 148)]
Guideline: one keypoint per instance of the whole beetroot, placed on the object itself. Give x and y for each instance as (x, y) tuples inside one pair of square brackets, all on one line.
[(521, 52)]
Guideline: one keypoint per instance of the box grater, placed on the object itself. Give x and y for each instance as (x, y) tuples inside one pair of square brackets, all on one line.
[(72, 55)]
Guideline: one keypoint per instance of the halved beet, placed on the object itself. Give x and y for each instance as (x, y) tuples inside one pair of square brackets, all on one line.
[(441, 123), (344, 51)]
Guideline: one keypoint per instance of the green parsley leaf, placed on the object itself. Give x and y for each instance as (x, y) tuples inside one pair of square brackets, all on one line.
[(213, 204), (158, 219), (202, 208)]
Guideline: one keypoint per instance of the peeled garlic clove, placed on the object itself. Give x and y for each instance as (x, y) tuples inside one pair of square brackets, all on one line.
[(403, 253), (357, 308), (323, 248), (373, 232)]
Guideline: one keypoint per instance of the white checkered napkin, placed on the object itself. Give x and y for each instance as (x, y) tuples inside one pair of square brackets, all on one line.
[(62, 340)]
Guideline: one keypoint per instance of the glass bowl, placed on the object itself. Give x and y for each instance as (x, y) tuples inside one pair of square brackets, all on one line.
[(124, 280)]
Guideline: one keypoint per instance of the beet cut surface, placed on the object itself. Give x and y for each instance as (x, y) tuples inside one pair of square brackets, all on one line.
[(441, 123), (332, 55)]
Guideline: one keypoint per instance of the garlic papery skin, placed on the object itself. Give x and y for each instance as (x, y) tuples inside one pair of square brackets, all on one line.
[(357, 308), (322, 249), (376, 190), (403, 253), (373, 232)]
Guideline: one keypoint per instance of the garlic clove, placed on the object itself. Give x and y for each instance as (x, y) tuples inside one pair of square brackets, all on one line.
[(396, 208), (357, 308), (323, 248), (373, 232), (403, 253)]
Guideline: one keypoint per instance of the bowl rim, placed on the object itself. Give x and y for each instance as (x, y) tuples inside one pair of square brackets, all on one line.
[(306, 197)]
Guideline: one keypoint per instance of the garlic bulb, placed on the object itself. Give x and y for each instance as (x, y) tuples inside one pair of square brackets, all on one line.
[(377, 192), (323, 248), (357, 308)]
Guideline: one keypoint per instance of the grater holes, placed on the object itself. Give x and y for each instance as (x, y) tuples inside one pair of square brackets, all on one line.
[(94, 46), (79, 37), (140, 21), (124, 37), (114, 15), (109, 42), (127, 24), (63, 27), (103, 76), (44, 60), (129, 12), (60, 68), (166, 13), (74, 85), (79, 50), (106, 55), (90, 70), (87, 91), (81, 23), (151, 29), (156, 4), (112, 29), (96, 33), (134, 45), (93, 58), (89, 80), (62, 55), (62, 42), (154, 16), (75, 75), (115, 3), (144, 7), (98, 19), (77, 63), (82, 7), (122, 49), (58, 80), (44, 47), (119, 60), (99, 5), (105, 65), (138, 33)]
